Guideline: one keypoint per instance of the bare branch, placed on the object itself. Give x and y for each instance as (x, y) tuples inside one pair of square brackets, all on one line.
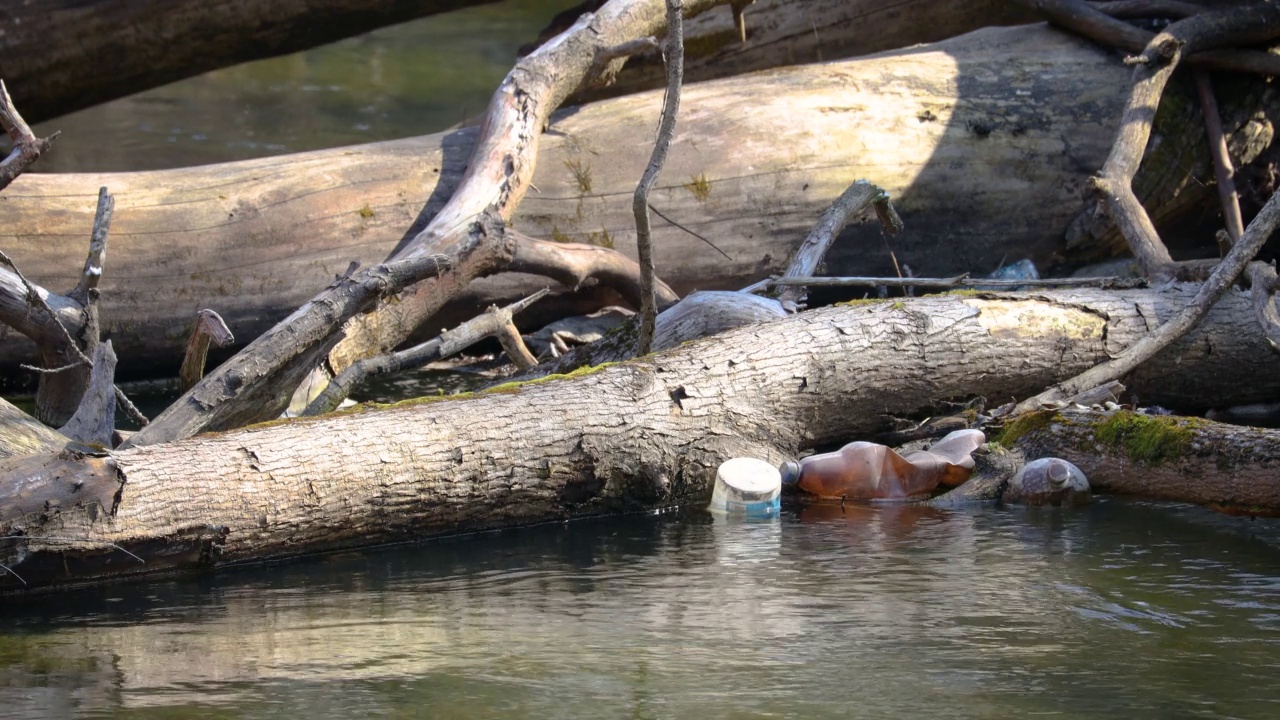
[(1178, 325), (27, 148), (958, 281), (640, 205), (1223, 172)]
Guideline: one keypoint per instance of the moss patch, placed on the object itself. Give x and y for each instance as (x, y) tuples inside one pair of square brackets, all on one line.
[(515, 386), (366, 212), (700, 186), (1150, 439), (1023, 424)]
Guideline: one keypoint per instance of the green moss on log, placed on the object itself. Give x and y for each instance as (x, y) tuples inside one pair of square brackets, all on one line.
[(1150, 439), (1025, 423)]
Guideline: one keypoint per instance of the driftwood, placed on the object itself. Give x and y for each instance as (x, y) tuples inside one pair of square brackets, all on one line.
[(254, 240), (62, 55), (644, 433)]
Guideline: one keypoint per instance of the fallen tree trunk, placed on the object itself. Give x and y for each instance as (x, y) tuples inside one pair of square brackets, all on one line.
[(63, 55), (1182, 459), (644, 433), (967, 136), (791, 32)]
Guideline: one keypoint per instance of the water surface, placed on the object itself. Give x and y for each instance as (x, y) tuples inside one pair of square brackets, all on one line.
[(411, 79), (1116, 610)]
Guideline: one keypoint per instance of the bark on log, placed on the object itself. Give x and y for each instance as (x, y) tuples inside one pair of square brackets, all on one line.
[(645, 433), (983, 152), (63, 55)]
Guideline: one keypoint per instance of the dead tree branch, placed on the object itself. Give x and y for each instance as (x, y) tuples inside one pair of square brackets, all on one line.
[(1223, 172), (1177, 326), (640, 205), (1079, 17), (27, 148)]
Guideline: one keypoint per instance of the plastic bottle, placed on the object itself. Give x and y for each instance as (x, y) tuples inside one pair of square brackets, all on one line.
[(870, 471)]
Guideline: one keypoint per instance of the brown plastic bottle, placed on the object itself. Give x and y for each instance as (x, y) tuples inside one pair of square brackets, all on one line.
[(870, 471)]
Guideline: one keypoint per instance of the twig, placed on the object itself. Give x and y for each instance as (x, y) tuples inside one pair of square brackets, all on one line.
[(209, 328), (1114, 185), (132, 410), (51, 371), (605, 65), (1222, 169), (662, 215), (27, 148), (640, 204), (9, 570), (1175, 327), (739, 8), (809, 255), (948, 283)]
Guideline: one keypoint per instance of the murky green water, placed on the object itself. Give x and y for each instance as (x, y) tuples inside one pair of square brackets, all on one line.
[(1117, 610), (411, 79)]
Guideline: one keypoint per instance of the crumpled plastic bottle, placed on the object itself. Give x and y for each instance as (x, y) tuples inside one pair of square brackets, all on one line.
[(870, 471)]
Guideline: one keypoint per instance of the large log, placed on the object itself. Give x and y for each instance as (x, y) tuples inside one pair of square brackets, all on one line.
[(62, 55), (983, 148), (644, 433), (791, 32)]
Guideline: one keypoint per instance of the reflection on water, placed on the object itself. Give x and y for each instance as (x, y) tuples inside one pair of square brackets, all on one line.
[(401, 81), (1118, 610)]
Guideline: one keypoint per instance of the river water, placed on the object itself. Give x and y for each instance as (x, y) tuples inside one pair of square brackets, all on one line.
[(1120, 609)]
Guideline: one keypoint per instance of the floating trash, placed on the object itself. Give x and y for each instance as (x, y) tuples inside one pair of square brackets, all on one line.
[(870, 471), (747, 487)]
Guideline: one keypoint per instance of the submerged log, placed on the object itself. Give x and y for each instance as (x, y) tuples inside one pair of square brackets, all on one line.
[(644, 433), (63, 55)]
